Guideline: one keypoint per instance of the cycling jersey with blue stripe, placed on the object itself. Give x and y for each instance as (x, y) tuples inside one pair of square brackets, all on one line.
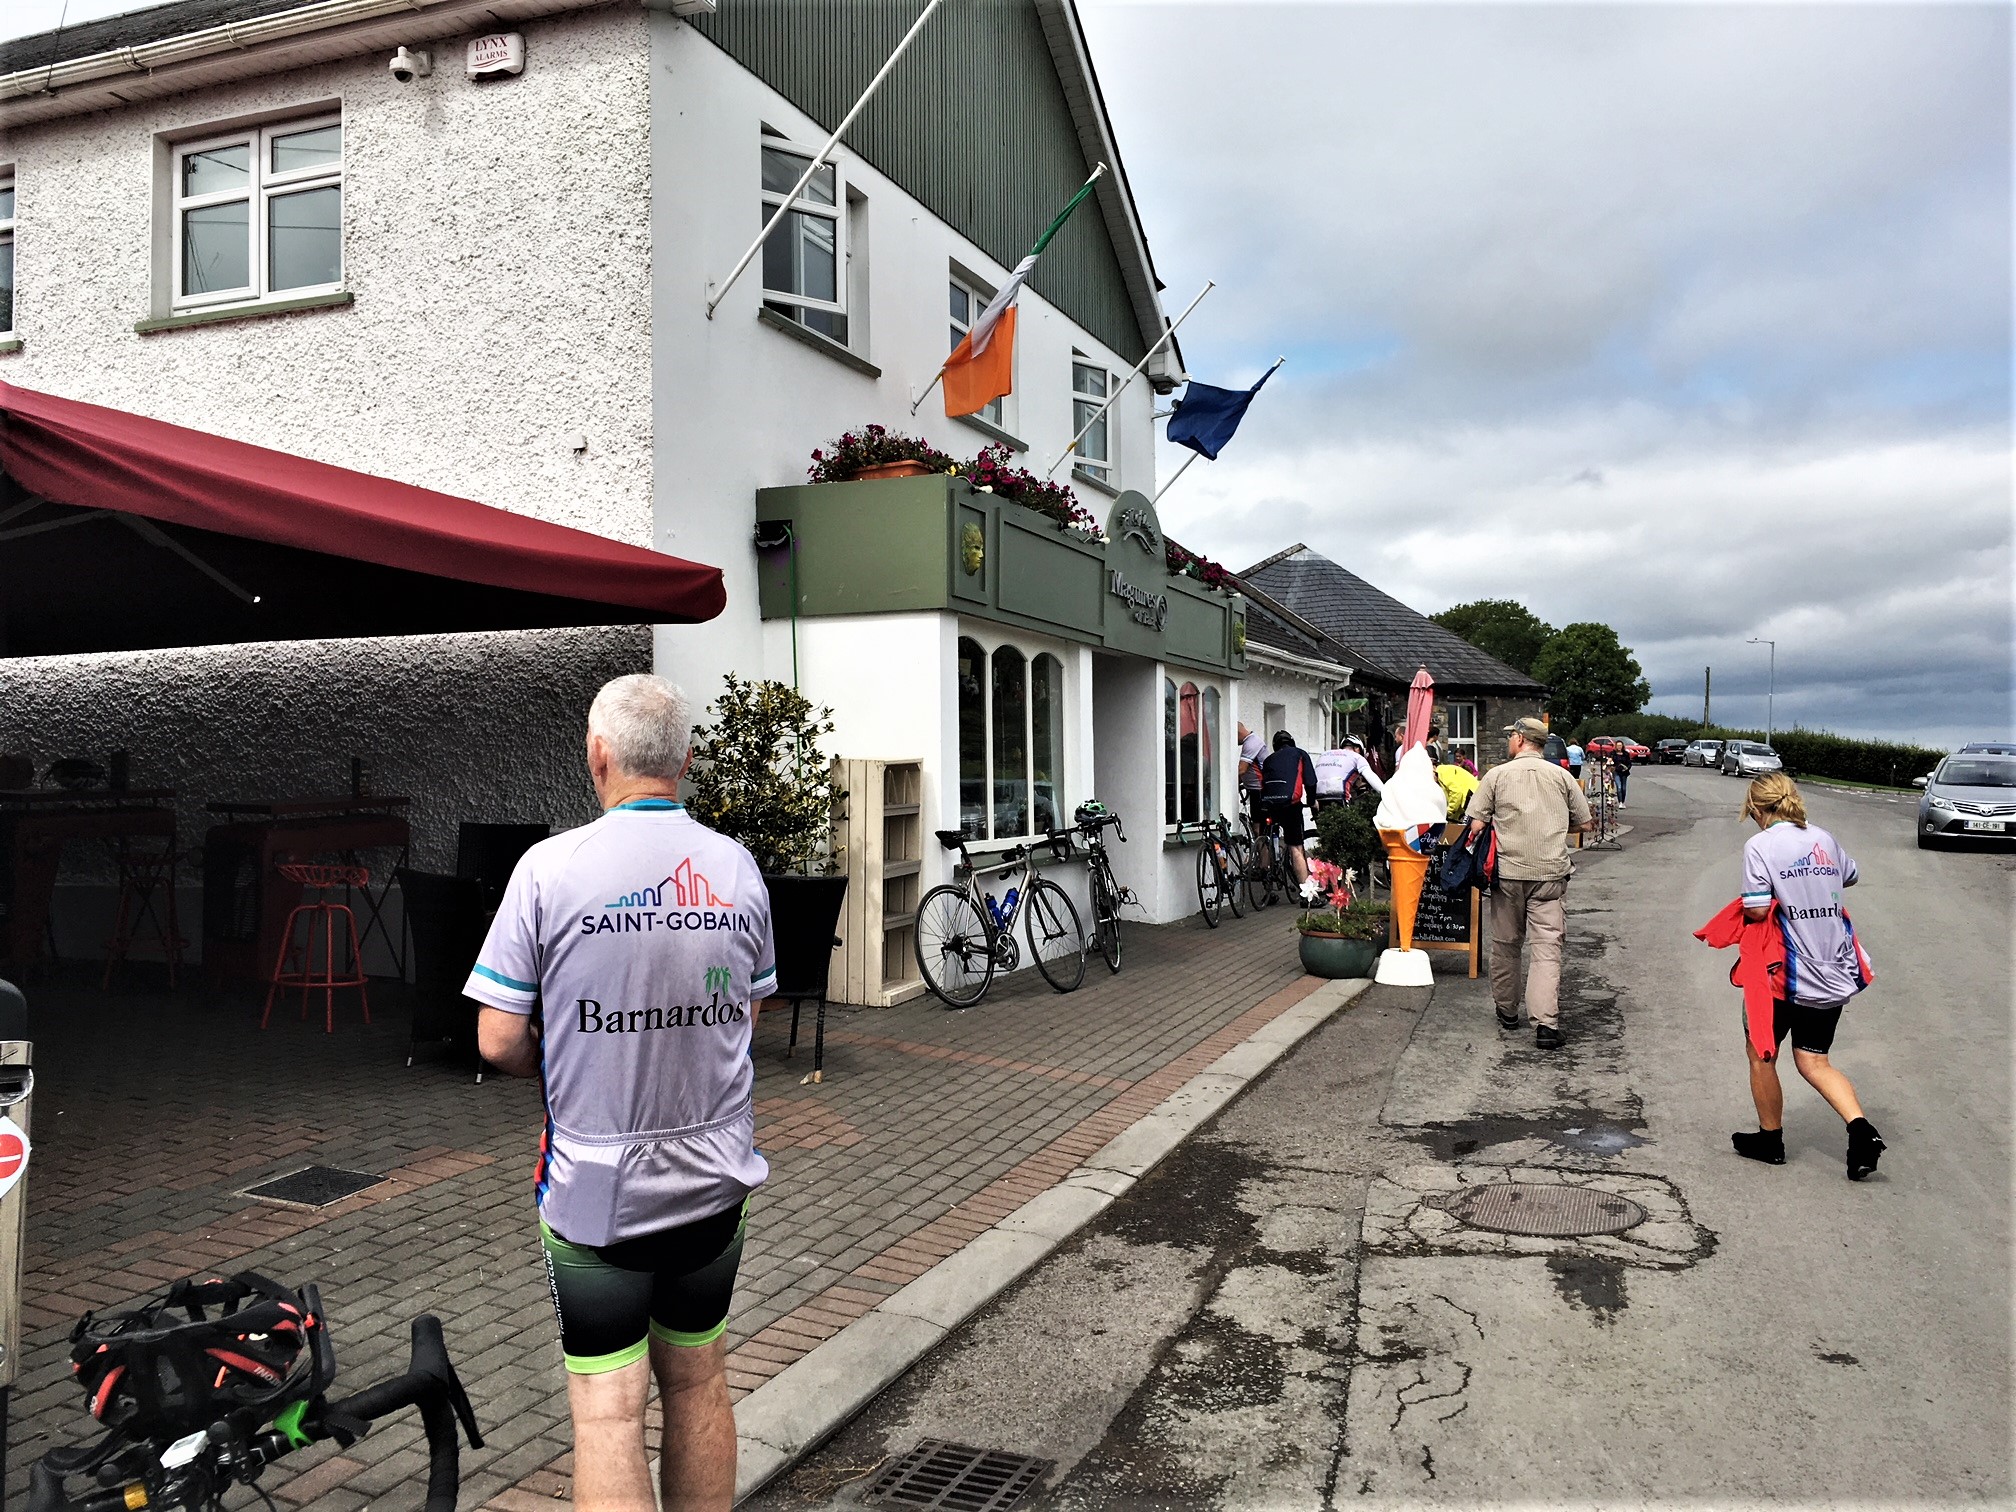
[(644, 939), (1806, 870)]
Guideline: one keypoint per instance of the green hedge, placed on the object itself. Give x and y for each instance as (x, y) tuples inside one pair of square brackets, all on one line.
[(1806, 753)]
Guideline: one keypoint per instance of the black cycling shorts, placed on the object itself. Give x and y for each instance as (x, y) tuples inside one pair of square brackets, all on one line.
[(1288, 816), (1811, 1025), (673, 1286)]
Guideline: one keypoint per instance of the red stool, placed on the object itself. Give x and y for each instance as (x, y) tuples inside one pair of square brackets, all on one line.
[(307, 978), (146, 896)]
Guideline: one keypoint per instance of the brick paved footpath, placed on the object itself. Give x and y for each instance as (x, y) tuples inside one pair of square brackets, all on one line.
[(154, 1111)]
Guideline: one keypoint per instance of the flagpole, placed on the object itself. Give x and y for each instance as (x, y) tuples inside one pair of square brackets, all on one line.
[(1098, 172), (1196, 454), (1209, 285), (820, 161)]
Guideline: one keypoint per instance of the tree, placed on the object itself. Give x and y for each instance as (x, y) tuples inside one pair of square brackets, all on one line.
[(1504, 628), (1589, 672)]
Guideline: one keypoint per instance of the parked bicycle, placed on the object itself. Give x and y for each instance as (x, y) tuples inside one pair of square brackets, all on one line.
[(1266, 873), (965, 935), (1107, 894), (1221, 866), (198, 1404)]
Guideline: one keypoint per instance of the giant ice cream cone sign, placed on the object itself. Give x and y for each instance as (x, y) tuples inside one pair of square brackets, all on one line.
[(1410, 870)]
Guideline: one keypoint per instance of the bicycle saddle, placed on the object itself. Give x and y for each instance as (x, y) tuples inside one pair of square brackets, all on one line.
[(951, 839)]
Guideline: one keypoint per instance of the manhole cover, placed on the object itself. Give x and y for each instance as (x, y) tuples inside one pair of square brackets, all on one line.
[(1545, 1210), (313, 1186), (956, 1477)]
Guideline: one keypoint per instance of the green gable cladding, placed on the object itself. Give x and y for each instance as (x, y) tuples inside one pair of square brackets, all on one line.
[(909, 545), (973, 122)]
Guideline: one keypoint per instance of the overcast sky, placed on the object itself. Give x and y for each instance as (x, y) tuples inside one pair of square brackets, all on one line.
[(1690, 318)]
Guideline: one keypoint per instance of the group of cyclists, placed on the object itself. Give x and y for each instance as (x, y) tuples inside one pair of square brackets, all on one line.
[(1279, 783)]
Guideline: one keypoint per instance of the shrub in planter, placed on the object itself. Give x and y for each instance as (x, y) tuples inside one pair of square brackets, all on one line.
[(1346, 835), (873, 446), (758, 776), (1343, 938)]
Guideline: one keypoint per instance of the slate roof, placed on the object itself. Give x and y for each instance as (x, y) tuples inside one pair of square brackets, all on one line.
[(86, 39), (1274, 626), (1387, 640)]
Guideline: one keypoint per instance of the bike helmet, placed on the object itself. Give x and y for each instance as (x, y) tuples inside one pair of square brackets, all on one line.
[(166, 1369), (1091, 811)]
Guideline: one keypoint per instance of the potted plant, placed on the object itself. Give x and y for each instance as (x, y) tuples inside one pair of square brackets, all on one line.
[(993, 471), (1341, 935), (759, 777), (873, 452)]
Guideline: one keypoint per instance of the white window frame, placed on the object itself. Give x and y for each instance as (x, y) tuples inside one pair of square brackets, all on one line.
[(1212, 790), (839, 213), (978, 296), (1029, 648), (262, 186), (1453, 717), (1099, 468), (7, 182)]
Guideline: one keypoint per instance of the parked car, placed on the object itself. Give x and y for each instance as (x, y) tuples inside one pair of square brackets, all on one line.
[(1670, 752), (1749, 758), (1703, 753), (1970, 794), (1599, 745), (1988, 748), (1638, 749)]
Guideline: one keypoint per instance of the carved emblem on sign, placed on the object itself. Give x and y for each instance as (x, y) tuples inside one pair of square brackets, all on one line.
[(1143, 607), (1138, 525)]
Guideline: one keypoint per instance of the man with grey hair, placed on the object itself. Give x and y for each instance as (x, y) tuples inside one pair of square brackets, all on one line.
[(625, 968)]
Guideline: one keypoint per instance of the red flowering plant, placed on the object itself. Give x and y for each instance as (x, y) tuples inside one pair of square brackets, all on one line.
[(838, 461), (993, 472), (1333, 909), (1188, 564)]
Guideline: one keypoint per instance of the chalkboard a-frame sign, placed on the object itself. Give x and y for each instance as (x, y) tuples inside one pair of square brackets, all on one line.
[(1447, 921)]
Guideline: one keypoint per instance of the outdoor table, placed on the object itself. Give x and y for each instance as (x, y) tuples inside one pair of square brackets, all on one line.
[(35, 825), (245, 899)]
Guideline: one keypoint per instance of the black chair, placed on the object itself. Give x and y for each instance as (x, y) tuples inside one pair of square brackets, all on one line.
[(489, 852), (446, 918), (804, 912)]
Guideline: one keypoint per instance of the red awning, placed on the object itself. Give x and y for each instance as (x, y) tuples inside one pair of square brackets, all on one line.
[(121, 532)]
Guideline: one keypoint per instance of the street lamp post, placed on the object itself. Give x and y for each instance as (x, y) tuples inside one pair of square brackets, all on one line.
[(1770, 698)]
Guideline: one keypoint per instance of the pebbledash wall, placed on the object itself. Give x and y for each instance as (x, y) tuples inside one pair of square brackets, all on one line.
[(491, 317)]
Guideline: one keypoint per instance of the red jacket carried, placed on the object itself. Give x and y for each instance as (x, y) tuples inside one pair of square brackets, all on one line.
[(1760, 967)]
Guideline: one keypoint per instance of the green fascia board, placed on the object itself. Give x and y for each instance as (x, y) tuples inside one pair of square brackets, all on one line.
[(935, 544)]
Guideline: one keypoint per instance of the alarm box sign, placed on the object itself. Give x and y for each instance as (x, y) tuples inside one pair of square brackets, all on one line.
[(499, 53)]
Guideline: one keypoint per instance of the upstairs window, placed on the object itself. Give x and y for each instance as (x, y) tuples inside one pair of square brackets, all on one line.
[(1090, 384), (805, 258), (258, 213), (6, 252), (968, 300)]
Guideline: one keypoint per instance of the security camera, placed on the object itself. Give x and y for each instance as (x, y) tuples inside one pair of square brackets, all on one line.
[(408, 65)]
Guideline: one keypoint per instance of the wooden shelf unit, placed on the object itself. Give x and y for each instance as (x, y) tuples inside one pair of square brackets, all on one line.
[(879, 830)]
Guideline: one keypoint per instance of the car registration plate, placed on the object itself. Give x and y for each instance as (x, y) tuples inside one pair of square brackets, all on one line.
[(1992, 826)]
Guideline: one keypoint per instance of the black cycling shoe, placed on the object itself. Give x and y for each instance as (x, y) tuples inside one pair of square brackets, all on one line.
[(1508, 1021), (1865, 1148), (1767, 1145), (1547, 1037)]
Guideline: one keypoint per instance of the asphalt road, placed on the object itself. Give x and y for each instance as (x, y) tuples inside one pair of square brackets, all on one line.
[(1285, 1314)]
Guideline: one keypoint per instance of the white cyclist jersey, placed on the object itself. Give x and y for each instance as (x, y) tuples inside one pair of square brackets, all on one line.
[(1805, 870), (643, 940)]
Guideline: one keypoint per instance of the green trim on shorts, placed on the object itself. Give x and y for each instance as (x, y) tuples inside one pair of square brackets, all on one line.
[(688, 1340), (603, 1364)]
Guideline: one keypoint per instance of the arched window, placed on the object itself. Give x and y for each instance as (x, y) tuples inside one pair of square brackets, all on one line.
[(1190, 739), (1046, 741), (1169, 739), (972, 738), (1011, 742), (1208, 753)]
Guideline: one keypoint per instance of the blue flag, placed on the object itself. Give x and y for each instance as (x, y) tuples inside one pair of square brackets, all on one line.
[(1206, 417)]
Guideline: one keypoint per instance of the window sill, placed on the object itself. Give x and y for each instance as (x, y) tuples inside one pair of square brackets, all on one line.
[(840, 354), (9, 345), (257, 311), (1091, 482), (993, 432)]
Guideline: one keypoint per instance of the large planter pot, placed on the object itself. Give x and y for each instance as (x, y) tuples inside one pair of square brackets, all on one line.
[(1328, 955), (909, 467), (804, 914)]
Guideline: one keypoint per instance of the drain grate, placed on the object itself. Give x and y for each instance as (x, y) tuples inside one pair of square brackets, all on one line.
[(1546, 1211), (956, 1478), (313, 1186)]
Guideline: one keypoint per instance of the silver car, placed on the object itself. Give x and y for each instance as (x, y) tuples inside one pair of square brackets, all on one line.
[(1749, 758), (1702, 753), (1972, 795)]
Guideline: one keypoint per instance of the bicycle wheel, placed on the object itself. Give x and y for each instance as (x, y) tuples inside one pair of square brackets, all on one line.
[(1106, 916), (1258, 878), (1238, 860), (1056, 939), (1210, 881), (955, 949)]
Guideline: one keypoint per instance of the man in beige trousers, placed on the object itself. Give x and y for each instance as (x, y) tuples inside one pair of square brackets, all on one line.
[(1533, 804)]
